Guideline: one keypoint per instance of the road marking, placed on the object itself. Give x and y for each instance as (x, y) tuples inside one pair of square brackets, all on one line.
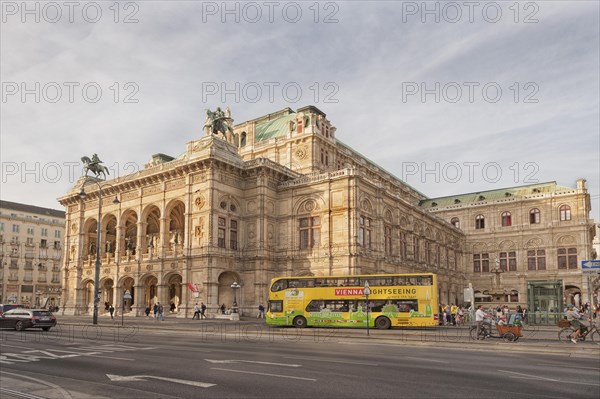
[(330, 361), (130, 378), (92, 354), (562, 365), (529, 376), (253, 361), (63, 392), (267, 374), (18, 394), (426, 360)]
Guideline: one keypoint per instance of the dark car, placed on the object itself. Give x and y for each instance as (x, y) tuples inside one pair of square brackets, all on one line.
[(20, 319), (7, 307)]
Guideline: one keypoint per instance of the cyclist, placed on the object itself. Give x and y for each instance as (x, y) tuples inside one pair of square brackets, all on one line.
[(480, 317), (573, 317)]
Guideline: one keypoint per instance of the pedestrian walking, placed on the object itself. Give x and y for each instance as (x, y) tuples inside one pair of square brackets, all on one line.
[(161, 312), (202, 310), (111, 311), (261, 312), (196, 312), (147, 311), (155, 310)]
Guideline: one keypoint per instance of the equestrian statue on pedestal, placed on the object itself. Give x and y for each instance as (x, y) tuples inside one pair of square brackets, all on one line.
[(218, 122), (95, 166)]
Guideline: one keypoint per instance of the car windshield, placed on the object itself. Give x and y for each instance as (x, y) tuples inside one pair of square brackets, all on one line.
[(41, 313)]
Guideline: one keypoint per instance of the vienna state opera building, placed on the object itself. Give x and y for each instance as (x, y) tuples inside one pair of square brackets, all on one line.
[(279, 195)]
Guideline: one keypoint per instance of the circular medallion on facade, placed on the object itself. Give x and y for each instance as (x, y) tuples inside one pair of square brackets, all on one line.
[(223, 205), (149, 267), (301, 152), (88, 272), (128, 269), (106, 270), (74, 227), (310, 206)]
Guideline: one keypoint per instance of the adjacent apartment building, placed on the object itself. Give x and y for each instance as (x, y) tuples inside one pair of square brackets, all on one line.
[(280, 195), (31, 252)]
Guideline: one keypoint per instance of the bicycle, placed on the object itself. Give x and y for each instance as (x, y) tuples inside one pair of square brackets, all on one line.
[(567, 332)]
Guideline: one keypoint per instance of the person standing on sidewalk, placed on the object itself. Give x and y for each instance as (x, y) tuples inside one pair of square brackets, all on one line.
[(261, 312), (161, 312), (111, 311)]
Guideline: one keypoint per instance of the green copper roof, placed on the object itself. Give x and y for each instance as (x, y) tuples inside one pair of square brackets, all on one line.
[(277, 127), (491, 195)]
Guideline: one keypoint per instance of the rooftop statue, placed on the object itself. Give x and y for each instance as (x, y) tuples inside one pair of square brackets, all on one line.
[(95, 166), (218, 121)]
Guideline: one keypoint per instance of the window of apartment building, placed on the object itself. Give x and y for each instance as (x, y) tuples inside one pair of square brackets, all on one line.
[(416, 248), (56, 244), (233, 234), (565, 212), (56, 233), (479, 222), (309, 232), (14, 251), (364, 232), (30, 231), (536, 259), (55, 277), (14, 264), (44, 232), (387, 237), (455, 222), (534, 216), (28, 265), (15, 228), (508, 261), (29, 241), (567, 258), (506, 219), (481, 263), (427, 252), (43, 243), (221, 233), (403, 245)]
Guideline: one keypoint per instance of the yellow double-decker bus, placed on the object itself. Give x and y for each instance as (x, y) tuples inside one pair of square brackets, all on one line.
[(405, 300)]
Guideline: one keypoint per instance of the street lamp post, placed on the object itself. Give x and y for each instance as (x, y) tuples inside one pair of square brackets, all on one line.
[(367, 292), (83, 195), (235, 286)]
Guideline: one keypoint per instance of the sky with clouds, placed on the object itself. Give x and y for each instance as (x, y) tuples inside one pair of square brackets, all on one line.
[(451, 97)]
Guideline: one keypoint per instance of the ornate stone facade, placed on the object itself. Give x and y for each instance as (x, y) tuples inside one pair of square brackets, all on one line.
[(277, 195)]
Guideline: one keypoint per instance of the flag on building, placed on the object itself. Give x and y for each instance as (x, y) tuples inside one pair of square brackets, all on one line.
[(192, 287)]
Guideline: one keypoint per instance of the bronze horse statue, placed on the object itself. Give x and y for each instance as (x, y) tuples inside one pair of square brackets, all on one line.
[(218, 122), (95, 166)]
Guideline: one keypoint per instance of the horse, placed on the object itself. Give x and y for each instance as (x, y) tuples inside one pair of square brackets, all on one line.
[(218, 122), (95, 167)]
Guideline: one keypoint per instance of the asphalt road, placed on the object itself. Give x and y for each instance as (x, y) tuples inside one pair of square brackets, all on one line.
[(212, 361)]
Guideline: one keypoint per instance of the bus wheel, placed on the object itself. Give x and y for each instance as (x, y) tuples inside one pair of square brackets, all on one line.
[(383, 323), (299, 322)]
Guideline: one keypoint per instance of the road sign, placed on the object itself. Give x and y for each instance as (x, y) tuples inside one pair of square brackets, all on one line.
[(590, 266)]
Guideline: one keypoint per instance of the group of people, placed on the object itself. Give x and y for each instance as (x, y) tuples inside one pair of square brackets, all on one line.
[(157, 309), (451, 315), (199, 311), (108, 307)]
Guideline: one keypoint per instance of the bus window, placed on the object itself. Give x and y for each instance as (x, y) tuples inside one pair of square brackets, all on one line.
[(314, 306), (376, 306), (407, 306), (425, 280), (279, 285), (276, 306)]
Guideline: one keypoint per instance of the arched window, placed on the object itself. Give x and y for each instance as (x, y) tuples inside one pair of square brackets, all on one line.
[(479, 222), (565, 212), (506, 219), (534, 216), (455, 222)]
